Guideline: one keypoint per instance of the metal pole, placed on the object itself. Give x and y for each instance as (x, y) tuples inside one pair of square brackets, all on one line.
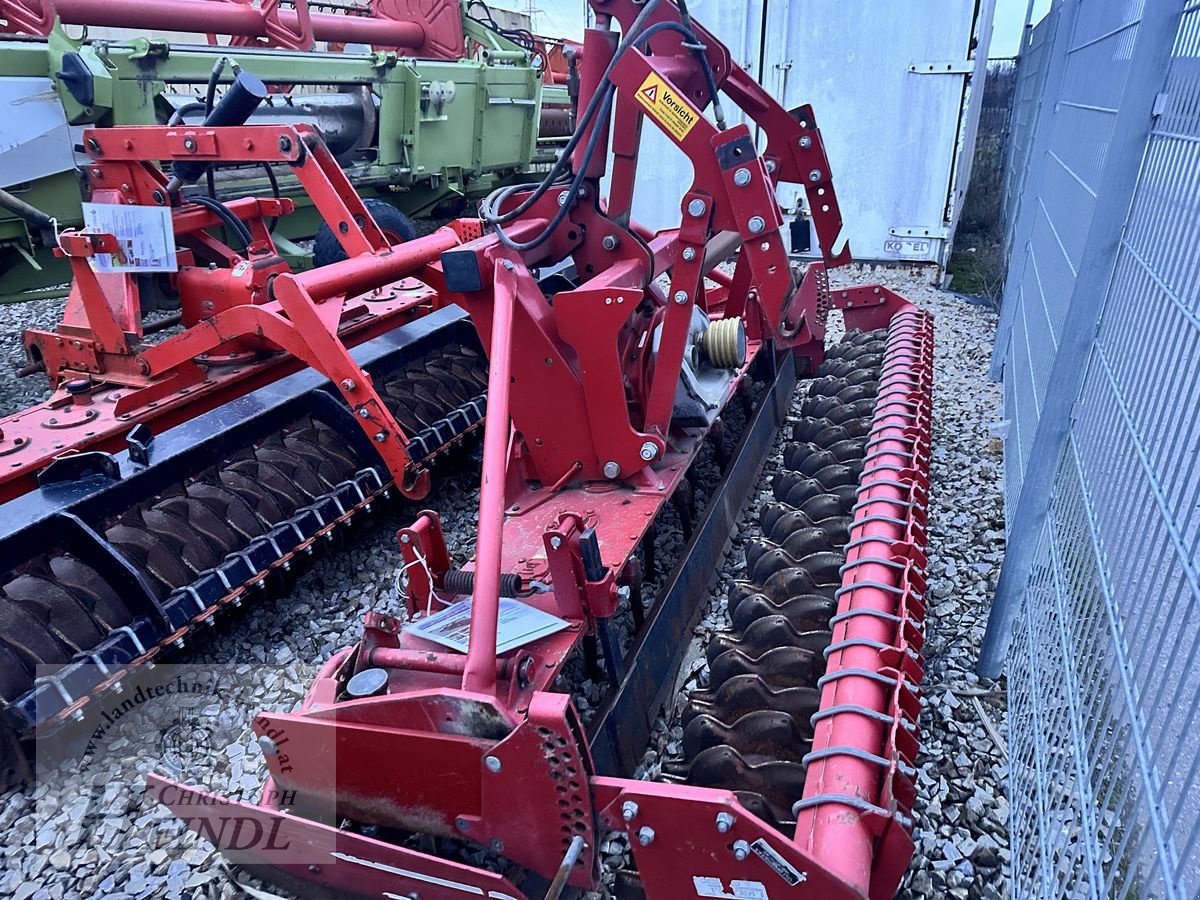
[(480, 673), (1135, 117)]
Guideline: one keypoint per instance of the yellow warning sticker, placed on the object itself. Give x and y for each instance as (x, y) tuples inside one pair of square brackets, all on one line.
[(667, 107)]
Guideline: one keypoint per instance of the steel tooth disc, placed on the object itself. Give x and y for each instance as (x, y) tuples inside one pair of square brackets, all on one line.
[(782, 518), (766, 634), (293, 467), (740, 590), (16, 674), (758, 807), (779, 783), (794, 581), (801, 543), (190, 546), (824, 566), (336, 447), (838, 481), (60, 611), (807, 612), (744, 694), (288, 497), (807, 459), (229, 506), (262, 502), (162, 566), (844, 413), (203, 520), (96, 594), (781, 667), (763, 734), (329, 471)]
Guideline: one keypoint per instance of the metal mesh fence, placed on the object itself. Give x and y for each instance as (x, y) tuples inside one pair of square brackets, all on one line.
[(1104, 663)]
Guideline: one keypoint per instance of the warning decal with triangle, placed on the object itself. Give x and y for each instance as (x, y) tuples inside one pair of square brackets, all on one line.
[(675, 114)]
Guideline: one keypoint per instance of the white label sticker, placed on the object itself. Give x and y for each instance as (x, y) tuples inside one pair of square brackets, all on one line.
[(778, 864), (708, 886), (517, 624), (145, 234)]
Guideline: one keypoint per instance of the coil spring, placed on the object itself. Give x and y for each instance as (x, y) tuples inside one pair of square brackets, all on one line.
[(460, 581)]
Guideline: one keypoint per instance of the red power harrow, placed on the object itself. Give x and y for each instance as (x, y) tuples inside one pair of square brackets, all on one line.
[(415, 771)]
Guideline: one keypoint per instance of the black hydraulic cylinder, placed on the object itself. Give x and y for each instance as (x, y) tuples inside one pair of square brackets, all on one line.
[(239, 103)]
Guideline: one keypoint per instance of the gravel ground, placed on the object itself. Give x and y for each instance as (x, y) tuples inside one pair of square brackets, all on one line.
[(85, 832)]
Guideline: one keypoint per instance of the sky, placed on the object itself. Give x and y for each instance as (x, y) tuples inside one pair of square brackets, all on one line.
[(1010, 22), (564, 18)]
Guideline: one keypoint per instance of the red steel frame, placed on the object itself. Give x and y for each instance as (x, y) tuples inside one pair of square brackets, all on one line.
[(250, 319), (479, 747), (431, 29)]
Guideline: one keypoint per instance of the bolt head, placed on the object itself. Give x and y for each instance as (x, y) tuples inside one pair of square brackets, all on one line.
[(492, 763), (285, 143), (681, 297), (609, 242), (805, 142), (364, 413), (563, 197), (741, 177), (380, 437), (697, 207), (741, 850), (649, 451), (611, 469), (689, 254), (771, 167), (348, 384), (814, 176), (645, 835), (629, 810), (724, 821), (756, 225), (556, 542)]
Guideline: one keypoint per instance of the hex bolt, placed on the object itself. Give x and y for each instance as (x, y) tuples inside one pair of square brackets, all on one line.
[(697, 207), (756, 224), (805, 142), (689, 254), (645, 835), (556, 542), (610, 242), (285, 143), (380, 437), (364, 413), (611, 469), (725, 821), (629, 810), (649, 451), (741, 850), (814, 176), (493, 763), (462, 824), (771, 165), (348, 384), (189, 144), (681, 297), (562, 198), (741, 177)]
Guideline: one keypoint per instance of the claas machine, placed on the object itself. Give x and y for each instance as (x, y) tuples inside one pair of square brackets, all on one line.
[(440, 756)]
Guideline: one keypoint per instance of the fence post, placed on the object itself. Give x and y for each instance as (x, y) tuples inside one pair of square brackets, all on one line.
[(1156, 36), (1040, 131)]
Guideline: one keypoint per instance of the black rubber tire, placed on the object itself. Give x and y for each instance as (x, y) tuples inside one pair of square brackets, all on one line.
[(395, 224)]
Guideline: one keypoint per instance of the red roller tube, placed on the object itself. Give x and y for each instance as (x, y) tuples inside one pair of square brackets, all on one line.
[(242, 20)]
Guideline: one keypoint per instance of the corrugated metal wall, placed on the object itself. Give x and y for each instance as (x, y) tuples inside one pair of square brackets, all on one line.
[(1099, 347)]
